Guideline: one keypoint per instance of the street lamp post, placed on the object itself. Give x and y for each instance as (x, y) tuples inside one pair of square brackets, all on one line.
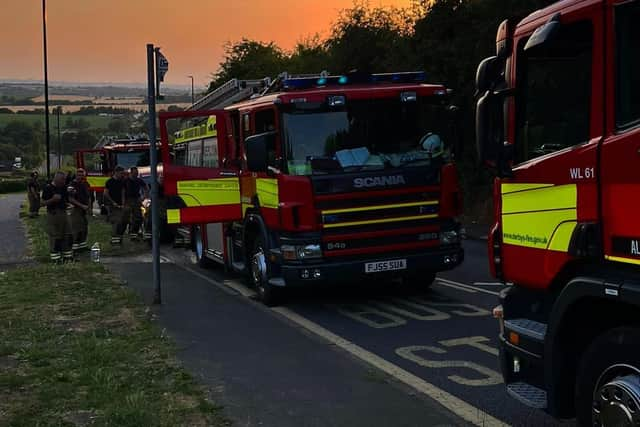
[(59, 140), (46, 86), (193, 100)]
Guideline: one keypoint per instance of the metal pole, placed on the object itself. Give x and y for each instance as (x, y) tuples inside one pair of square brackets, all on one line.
[(59, 142), (156, 77), (46, 87), (193, 100), (153, 154)]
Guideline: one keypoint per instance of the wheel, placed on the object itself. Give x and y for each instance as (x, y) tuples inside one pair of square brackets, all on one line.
[(419, 280), (199, 249), (259, 274), (608, 382)]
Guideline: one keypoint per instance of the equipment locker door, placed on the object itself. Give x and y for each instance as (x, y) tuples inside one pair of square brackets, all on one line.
[(201, 192)]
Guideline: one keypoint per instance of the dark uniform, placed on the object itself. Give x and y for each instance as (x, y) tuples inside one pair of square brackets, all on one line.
[(79, 224), (134, 188), (116, 213), (58, 223), (33, 188)]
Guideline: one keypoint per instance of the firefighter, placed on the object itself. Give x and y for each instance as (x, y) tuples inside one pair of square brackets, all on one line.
[(33, 188), (114, 197), (80, 198), (136, 190), (55, 197)]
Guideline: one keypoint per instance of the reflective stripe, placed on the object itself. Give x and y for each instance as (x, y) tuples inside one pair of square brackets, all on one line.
[(267, 190), (173, 216), (562, 237), (211, 192), (379, 221), (67, 254), (513, 188), (97, 181), (540, 216), (540, 199), (622, 259), (83, 245), (380, 207), (55, 256)]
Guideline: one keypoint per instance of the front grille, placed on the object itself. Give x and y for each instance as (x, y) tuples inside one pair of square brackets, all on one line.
[(377, 223), (362, 212)]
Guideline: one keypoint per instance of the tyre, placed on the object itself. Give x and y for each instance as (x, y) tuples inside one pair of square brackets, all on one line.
[(259, 270), (199, 248), (608, 381)]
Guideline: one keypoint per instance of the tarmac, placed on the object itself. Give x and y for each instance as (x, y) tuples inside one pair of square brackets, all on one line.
[(266, 371)]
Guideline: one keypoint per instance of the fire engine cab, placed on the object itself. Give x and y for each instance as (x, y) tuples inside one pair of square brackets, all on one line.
[(558, 120), (320, 180)]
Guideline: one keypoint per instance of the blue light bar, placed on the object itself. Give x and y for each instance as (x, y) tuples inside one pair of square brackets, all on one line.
[(310, 82)]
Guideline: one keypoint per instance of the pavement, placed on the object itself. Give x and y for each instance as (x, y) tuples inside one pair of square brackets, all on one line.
[(267, 371), (13, 250)]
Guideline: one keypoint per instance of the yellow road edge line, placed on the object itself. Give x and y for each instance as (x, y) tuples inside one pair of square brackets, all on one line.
[(622, 259), (379, 221), (452, 403), (377, 207)]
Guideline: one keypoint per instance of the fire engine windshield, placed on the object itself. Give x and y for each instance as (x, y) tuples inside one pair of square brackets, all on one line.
[(132, 158), (365, 134)]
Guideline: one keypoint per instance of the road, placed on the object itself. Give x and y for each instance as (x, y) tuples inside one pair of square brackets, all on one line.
[(441, 341), (13, 248)]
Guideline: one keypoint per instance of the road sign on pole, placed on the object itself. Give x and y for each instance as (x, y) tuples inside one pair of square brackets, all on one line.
[(153, 154)]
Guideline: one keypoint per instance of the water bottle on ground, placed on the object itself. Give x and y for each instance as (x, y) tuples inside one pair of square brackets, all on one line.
[(95, 252)]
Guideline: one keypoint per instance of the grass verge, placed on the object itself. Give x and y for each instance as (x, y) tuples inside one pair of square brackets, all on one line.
[(77, 348)]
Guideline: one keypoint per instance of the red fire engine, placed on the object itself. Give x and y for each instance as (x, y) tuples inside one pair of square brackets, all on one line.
[(100, 162), (558, 120), (322, 179)]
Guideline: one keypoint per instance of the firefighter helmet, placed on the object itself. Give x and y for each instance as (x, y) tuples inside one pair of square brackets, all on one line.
[(432, 144)]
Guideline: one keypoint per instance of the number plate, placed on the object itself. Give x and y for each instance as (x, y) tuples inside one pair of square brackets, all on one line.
[(375, 267)]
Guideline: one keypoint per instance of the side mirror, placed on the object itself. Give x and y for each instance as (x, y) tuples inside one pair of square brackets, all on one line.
[(490, 138), (544, 34), (257, 150), (488, 73)]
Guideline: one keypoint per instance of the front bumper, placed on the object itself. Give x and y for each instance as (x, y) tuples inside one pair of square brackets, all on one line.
[(353, 271)]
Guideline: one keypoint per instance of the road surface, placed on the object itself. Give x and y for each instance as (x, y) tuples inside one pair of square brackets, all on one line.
[(13, 247), (441, 341)]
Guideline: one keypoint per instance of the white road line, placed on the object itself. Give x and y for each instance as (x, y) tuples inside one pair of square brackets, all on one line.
[(452, 284), (488, 284), (454, 404), (460, 288)]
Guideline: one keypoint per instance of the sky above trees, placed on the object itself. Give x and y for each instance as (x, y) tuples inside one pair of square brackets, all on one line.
[(104, 41)]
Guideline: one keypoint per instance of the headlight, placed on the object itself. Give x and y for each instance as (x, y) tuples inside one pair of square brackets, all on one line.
[(293, 253), (449, 237)]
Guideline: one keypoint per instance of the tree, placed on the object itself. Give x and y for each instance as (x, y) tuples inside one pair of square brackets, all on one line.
[(309, 56), (248, 59), (371, 40), (118, 126)]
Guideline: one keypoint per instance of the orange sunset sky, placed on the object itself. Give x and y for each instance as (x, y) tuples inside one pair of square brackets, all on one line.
[(104, 40)]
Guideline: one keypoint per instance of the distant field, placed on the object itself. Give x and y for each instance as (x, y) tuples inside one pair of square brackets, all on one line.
[(110, 103), (63, 98), (90, 99), (96, 122)]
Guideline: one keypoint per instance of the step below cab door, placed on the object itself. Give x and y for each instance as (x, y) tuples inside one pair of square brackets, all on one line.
[(196, 186)]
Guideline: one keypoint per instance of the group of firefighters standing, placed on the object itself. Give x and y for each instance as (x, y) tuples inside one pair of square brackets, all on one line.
[(69, 202)]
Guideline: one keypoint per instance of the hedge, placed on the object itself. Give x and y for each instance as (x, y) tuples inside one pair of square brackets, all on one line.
[(12, 185)]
